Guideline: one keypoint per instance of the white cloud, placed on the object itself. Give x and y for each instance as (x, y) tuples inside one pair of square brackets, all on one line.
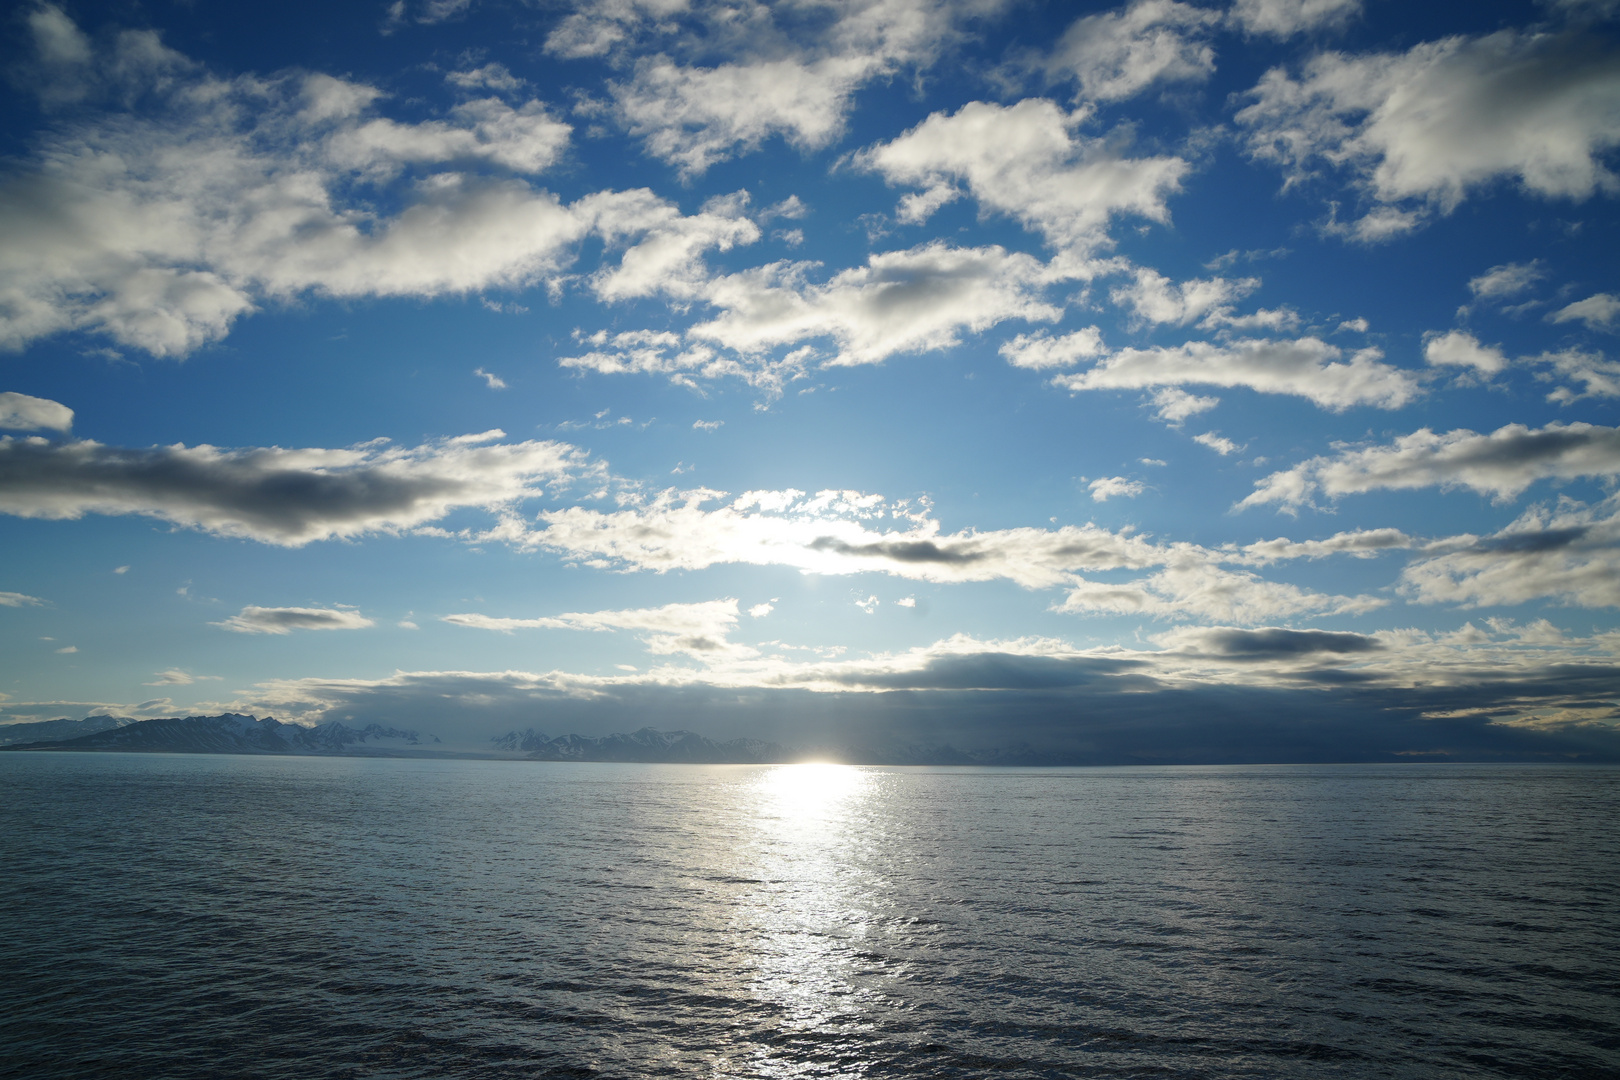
[(1109, 487), (177, 677), (1598, 311), (159, 224), (121, 569), (1154, 298), (1173, 405), (67, 649), (1358, 324), (667, 256), (906, 602), (1218, 443), (1193, 588), (698, 630), (1458, 348), (868, 605), (284, 620), (20, 412), (17, 599), (694, 117), (1307, 367), (901, 301), (1028, 160), (280, 496), (759, 611), (1040, 350), (494, 382), (1570, 554), (1426, 127), (783, 73), (831, 532), (839, 533), (707, 425), (525, 140), (490, 76), (1501, 464), (1285, 18), (1598, 377), (1357, 543), (1119, 54), (1507, 280)]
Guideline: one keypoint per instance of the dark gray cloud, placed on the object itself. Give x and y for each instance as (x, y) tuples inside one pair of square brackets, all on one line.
[(1271, 642), (1024, 709), (1502, 463), (910, 551), (284, 620), (277, 496)]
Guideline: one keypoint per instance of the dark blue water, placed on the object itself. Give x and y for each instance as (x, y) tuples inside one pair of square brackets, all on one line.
[(175, 916)]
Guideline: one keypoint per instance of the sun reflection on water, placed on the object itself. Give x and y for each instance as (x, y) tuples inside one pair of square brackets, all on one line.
[(818, 893), (812, 794)]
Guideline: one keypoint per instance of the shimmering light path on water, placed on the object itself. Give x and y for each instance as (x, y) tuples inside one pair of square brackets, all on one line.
[(173, 916)]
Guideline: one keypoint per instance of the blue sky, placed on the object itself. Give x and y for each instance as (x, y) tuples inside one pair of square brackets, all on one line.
[(487, 365)]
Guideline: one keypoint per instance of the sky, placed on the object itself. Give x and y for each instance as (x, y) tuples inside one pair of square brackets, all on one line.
[(1159, 381)]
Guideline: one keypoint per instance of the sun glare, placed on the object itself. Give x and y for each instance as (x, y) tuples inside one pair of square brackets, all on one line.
[(815, 790)]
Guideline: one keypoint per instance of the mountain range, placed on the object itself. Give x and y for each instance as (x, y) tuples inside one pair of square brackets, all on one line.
[(229, 733), (235, 733)]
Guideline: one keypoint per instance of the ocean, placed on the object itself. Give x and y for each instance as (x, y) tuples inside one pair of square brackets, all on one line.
[(184, 916)]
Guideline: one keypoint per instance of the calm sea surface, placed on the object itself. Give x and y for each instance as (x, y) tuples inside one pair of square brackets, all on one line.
[(194, 916)]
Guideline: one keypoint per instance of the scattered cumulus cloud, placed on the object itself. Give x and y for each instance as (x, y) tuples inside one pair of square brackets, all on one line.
[(1598, 312), (918, 300), (1218, 443), (1506, 281), (1111, 487), (1598, 377), (1196, 589), (21, 412), (159, 224), (178, 677), (1568, 553), (1306, 367), (779, 77), (1040, 350), (1460, 349), (288, 497), (1154, 298), (697, 630), (494, 382), (1420, 131), (1501, 464), (1030, 161), (1119, 54), (839, 532), (1285, 18), (1173, 405), (284, 620)]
